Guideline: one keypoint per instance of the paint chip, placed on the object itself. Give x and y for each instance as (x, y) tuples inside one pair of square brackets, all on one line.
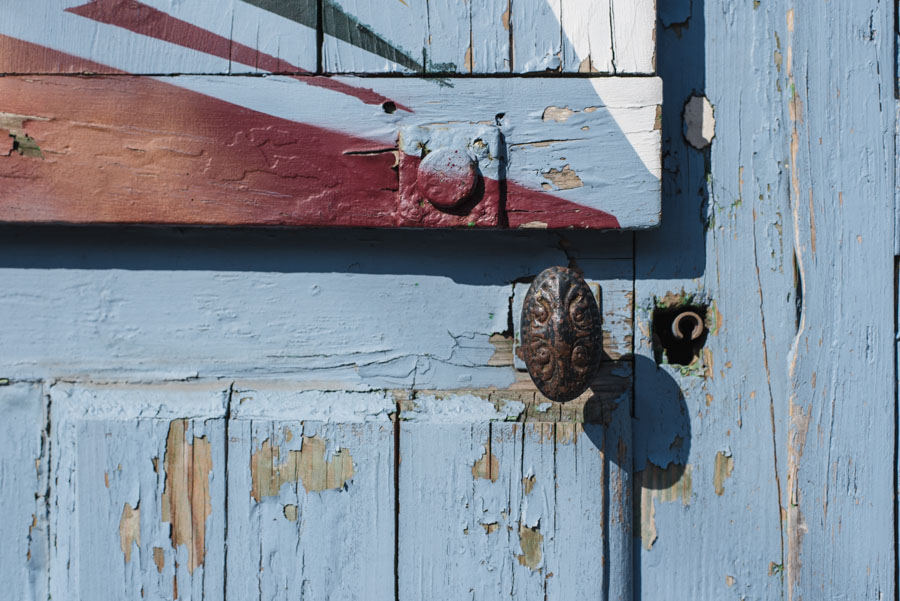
[(159, 558), (185, 500), (130, 529), (530, 540), (563, 179), (723, 469), (290, 512), (587, 66), (528, 483), (487, 467), (308, 466), (662, 485), (558, 114), (490, 528), (699, 122), (534, 225)]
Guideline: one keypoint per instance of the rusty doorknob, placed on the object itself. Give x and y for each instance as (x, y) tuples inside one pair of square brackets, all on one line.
[(561, 338)]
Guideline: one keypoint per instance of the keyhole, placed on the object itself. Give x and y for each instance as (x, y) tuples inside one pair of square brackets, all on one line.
[(679, 333)]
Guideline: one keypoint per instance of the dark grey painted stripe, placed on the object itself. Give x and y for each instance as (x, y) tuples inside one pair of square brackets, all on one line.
[(338, 24)]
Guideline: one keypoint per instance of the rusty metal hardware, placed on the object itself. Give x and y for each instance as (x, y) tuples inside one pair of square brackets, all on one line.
[(447, 177), (561, 339), (684, 320)]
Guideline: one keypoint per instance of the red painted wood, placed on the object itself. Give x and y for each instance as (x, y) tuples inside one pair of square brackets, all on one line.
[(126, 149)]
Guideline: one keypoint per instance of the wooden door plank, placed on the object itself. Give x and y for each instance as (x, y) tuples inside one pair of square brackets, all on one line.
[(584, 36), (366, 37), (156, 36), (842, 404), (710, 437), (243, 151), (491, 508), (23, 474), (311, 501), (588, 44), (633, 36), (138, 494), (537, 44), (107, 309), (416, 36)]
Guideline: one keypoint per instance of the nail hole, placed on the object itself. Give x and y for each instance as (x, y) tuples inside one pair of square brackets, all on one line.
[(499, 117), (389, 107)]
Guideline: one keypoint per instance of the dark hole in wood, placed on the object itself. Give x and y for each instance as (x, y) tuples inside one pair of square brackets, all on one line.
[(667, 348), (389, 107)]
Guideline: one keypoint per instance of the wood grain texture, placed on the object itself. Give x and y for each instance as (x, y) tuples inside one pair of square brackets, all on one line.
[(310, 495), (729, 408), (242, 151), (584, 36), (720, 452), (492, 509), (23, 488), (137, 505), (841, 371)]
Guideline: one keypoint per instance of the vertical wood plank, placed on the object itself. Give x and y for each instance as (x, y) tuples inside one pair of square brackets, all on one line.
[(587, 27), (367, 37), (490, 49), (710, 438), (842, 404), (454, 36), (23, 527), (537, 36), (138, 495), (633, 36), (310, 495), (509, 509), (584, 36)]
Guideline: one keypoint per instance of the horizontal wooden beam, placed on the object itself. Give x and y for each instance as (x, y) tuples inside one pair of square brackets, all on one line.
[(323, 151)]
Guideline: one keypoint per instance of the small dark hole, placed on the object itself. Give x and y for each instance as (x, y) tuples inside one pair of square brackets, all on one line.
[(667, 348), (499, 117), (389, 107)]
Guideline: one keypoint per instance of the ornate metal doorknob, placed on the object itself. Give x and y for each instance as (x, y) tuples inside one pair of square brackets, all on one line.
[(561, 338)]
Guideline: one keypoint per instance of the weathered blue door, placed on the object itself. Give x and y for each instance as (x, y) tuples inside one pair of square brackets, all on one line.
[(305, 412)]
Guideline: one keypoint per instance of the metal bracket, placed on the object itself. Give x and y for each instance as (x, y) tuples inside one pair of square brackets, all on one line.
[(450, 175)]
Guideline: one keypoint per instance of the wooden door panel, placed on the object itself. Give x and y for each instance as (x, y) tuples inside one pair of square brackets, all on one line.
[(23, 485), (310, 495), (501, 498), (138, 493)]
